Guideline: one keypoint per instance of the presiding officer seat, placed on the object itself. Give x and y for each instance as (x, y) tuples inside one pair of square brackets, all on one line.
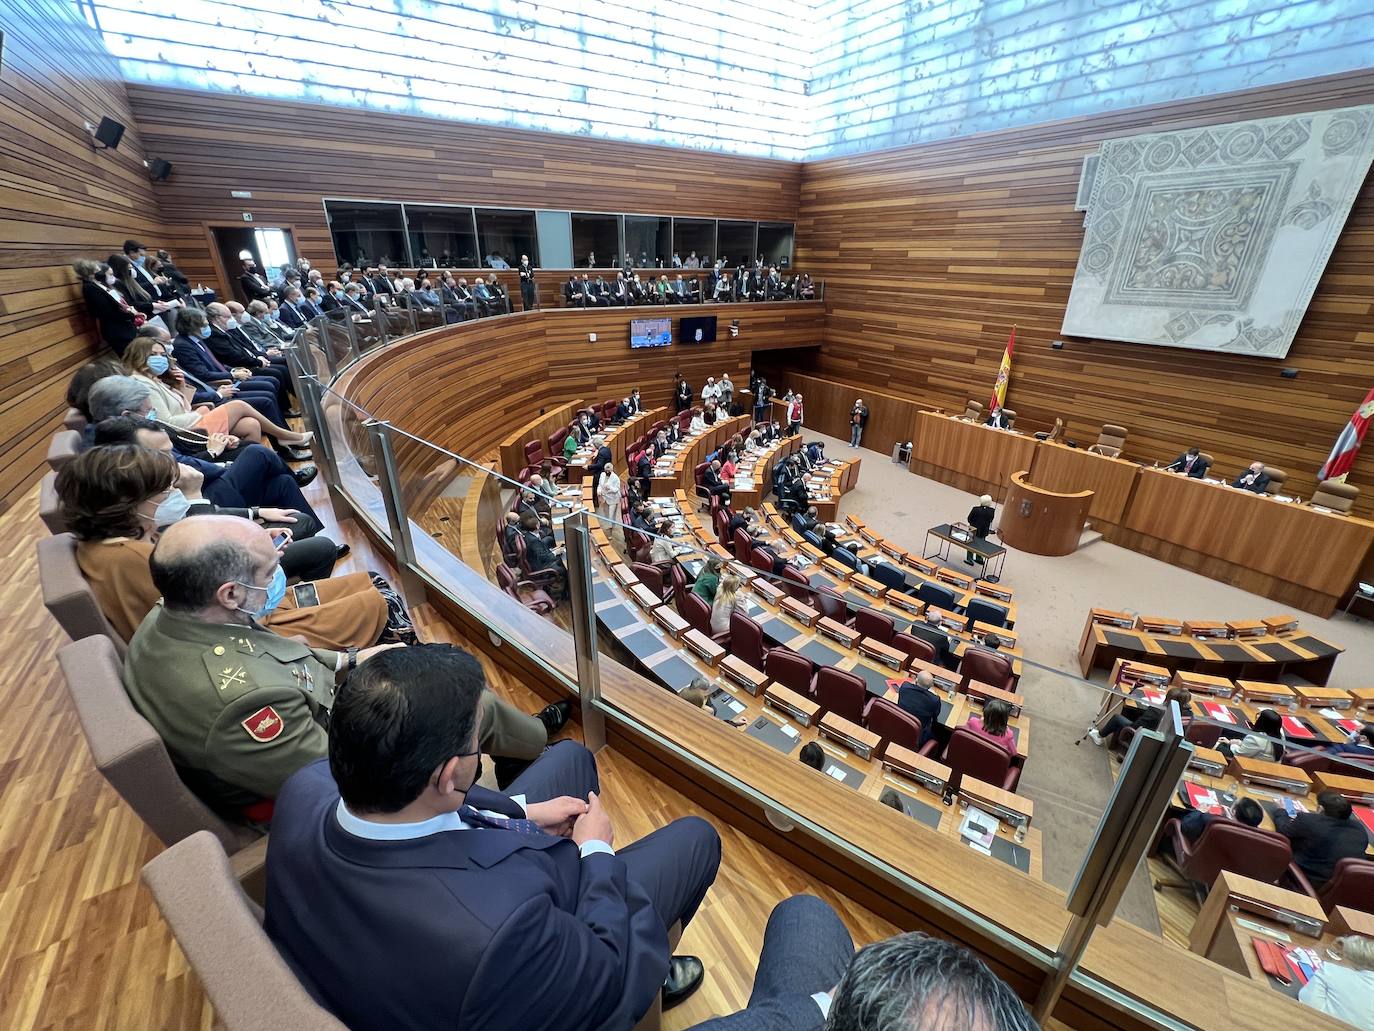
[(1110, 441), (1338, 497), (1276, 478), (974, 411)]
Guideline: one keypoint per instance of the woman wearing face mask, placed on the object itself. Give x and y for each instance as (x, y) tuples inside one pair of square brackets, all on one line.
[(116, 499), (132, 290), (148, 361), (117, 318)]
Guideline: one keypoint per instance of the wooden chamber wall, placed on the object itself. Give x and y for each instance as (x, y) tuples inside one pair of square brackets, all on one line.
[(61, 200), (930, 254), (290, 156)]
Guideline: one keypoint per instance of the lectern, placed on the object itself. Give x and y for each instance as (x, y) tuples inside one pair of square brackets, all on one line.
[(1042, 522)]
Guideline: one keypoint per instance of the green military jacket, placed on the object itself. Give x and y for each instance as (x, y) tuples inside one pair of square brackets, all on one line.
[(239, 708)]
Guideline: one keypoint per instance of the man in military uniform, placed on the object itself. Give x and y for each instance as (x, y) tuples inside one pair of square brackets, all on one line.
[(240, 708)]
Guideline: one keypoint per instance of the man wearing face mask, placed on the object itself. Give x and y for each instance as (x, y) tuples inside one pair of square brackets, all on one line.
[(239, 708), (197, 360), (254, 286), (228, 342)]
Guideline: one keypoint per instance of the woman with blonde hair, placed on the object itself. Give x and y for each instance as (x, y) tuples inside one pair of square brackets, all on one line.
[(724, 604), (1344, 987)]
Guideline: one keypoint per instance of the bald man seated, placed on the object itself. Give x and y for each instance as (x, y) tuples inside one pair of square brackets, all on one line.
[(239, 708)]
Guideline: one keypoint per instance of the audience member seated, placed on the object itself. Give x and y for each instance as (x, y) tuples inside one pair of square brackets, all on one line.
[(118, 500), (406, 895), (1140, 717), (116, 319), (1253, 479), (1194, 822), (811, 755), (919, 699), (1322, 839), (992, 724), (235, 349), (708, 581), (808, 520), (1345, 988), (1360, 744), (1190, 463), (198, 362), (540, 551), (1265, 743), (727, 592)]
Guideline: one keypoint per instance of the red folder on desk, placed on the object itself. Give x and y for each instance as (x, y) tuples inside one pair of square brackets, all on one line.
[(1152, 695), (1272, 959), (1204, 800), (1293, 727), (1349, 726), (1218, 712), (1366, 816)]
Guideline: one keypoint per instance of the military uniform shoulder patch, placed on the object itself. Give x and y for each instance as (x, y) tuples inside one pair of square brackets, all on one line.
[(264, 725)]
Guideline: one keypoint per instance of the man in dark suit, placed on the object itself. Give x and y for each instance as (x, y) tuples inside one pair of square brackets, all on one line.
[(527, 291), (715, 483), (1322, 839), (199, 362), (254, 286), (405, 895), (457, 300), (682, 394), (1253, 479), (623, 411), (635, 406), (807, 520), (486, 300), (998, 420), (233, 348), (572, 293), (930, 632), (919, 699), (291, 311), (1190, 463)]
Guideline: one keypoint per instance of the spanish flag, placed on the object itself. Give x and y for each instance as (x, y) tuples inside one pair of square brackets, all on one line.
[(999, 389), (1347, 445)]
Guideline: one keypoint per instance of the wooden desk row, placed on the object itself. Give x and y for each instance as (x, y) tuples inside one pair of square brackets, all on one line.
[(757, 467), (1287, 551), (617, 438), (675, 469), (1262, 656), (540, 428), (661, 642)]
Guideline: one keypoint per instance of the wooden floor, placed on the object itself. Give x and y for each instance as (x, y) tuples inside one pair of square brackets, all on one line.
[(82, 945)]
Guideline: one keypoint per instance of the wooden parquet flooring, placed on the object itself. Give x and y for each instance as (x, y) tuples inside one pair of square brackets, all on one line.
[(82, 946)]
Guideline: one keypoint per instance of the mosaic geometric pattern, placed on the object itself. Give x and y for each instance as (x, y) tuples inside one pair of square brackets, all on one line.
[(1215, 238)]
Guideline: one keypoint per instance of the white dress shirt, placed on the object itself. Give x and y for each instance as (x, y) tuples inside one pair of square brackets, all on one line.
[(364, 828)]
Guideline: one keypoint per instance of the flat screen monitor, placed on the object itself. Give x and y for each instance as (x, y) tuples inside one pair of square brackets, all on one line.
[(651, 332), (696, 329)]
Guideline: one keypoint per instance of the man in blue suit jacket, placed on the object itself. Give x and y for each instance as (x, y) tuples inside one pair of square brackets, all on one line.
[(404, 896)]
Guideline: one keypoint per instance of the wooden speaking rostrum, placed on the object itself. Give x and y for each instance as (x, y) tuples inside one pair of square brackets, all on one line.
[(1042, 522)]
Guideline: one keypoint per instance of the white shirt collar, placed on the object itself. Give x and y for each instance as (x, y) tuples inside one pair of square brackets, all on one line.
[(361, 828)]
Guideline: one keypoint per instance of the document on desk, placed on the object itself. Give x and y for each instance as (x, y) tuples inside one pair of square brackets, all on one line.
[(978, 829)]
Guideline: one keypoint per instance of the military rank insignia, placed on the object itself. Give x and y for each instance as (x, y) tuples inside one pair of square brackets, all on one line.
[(263, 725)]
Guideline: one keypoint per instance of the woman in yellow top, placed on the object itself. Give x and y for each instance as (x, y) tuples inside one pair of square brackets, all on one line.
[(151, 362)]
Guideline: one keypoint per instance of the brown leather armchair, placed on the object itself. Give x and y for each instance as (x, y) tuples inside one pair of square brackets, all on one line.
[(1338, 497), (1232, 846)]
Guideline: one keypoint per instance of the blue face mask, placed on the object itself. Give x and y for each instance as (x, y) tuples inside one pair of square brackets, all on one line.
[(158, 364), (276, 591), (171, 509), (140, 260), (205, 332)]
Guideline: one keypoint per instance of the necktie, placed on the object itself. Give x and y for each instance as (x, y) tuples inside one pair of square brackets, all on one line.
[(479, 819), (210, 355)]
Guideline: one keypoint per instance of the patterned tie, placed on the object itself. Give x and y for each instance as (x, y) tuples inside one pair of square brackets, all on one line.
[(479, 819)]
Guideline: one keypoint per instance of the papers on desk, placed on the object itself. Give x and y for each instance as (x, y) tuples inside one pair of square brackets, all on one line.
[(1204, 800), (1218, 712), (978, 829)]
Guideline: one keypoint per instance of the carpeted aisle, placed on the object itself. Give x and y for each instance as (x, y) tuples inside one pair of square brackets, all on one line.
[(1070, 785)]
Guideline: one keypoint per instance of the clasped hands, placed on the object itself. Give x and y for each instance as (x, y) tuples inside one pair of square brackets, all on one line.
[(569, 817)]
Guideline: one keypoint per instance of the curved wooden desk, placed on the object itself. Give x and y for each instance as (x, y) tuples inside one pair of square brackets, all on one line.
[(1042, 522)]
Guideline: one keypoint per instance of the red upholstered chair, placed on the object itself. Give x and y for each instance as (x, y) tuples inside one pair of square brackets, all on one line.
[(637, 544), (679, 581), (1232, 846), (721, 516), (981, 759), (842, 693), (1320, 762), (542, 578), (789, 669), (1351, 884), (555, 441), (535, 457), (698, 472), (894, 725), (831, 605), (875, 625), (697, 611), (684, 421), (986, 667), (746, 640), (608, 410), (526, 592), (1204, 735), (797, 585), (743, 545), (652, 577), (760, 558), (914, 647)]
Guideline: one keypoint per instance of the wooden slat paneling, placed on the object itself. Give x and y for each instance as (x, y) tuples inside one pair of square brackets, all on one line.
[(930, 254), (60, 200), (291, 155)]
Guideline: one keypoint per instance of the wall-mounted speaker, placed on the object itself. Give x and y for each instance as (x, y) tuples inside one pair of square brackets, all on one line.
[(159, 169), (109, 133)]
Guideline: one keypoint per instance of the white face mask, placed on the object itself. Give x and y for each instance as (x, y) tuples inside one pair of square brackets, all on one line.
[(109, 279)]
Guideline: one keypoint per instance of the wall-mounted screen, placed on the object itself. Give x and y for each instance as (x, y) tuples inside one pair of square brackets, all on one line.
[(696, 329), (652, 332)]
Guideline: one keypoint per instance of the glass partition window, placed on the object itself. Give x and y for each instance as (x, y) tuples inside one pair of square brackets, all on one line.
[(595, 241), (505, 235), (442, 237), (695, 240), (775, 243), (648, 240), (735, 241), (367, 232)]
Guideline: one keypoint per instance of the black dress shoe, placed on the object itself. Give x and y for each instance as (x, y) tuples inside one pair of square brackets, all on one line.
[(685, 974), (305, 474), (554, 716), (341, 551)]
